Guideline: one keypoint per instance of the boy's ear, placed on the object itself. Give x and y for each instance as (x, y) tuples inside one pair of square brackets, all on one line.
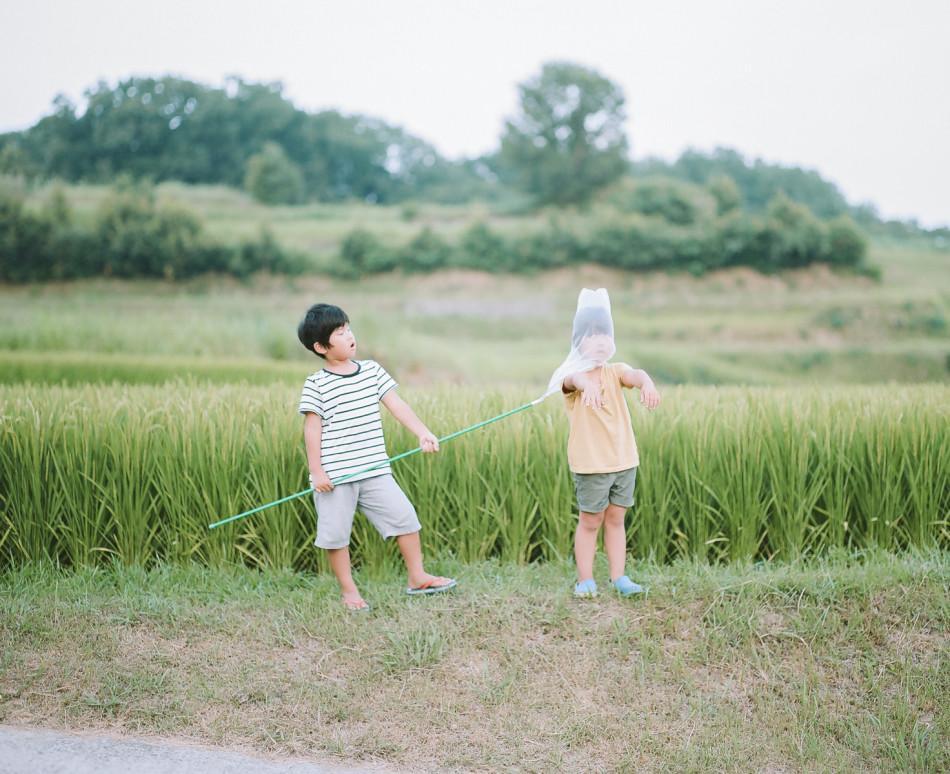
[(319, 348)]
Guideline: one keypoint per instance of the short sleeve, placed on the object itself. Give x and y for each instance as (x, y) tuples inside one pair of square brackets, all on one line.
[(311, 402), (619, 370), (570, 398), (384, 382)]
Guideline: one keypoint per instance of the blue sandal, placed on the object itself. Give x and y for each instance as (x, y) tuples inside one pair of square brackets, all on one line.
[(586, 589), (626, 587)]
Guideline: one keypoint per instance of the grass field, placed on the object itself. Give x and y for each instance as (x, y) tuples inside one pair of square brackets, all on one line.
[(791, 519), (737, 327), (838, 665)]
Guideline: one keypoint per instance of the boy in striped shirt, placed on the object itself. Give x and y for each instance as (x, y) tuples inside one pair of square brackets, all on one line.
[(343, 433)]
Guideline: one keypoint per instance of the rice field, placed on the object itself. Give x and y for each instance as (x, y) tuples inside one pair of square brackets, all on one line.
[(90, 475)]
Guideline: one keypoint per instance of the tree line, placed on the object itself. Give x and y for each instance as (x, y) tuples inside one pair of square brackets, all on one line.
[(565, 144), (174, 129), (564, 149)]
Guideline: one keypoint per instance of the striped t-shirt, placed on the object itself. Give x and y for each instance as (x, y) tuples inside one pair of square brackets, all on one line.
[(352, 431)]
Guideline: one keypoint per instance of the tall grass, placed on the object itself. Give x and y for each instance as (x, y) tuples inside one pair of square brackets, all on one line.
[(136, 473)]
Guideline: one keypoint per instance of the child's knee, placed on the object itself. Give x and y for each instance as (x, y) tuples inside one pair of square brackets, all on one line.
[(614, 517), (591, 521)]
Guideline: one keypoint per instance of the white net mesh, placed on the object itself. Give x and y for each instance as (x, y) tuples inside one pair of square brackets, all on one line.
[(592, 338)]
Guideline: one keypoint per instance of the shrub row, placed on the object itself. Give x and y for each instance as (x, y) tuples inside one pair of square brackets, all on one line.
[(787, 237), (131, 236)]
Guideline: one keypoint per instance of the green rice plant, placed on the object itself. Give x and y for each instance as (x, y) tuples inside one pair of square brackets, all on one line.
[(796, 478), (83, 530), (507, 498), (547, 481), (206, 443), (135, 474), (694, 533), (737, 477), (127, 450), (29, 496), (879, 495), (270, 542), (833, 509), (927, 480), (653, 526)]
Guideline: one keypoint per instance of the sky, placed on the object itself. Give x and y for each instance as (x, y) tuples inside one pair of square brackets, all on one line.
[(856, 90)]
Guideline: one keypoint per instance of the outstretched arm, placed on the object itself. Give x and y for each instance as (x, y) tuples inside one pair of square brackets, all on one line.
[(408, 419), (635, 377)]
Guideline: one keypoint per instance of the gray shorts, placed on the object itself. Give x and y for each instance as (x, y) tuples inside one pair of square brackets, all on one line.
[(378, 498), (596, 490)]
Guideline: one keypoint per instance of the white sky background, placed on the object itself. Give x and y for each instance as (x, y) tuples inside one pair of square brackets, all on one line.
[(857, 89)]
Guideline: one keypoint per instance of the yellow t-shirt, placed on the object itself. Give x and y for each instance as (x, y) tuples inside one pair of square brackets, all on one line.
[(601, 440)]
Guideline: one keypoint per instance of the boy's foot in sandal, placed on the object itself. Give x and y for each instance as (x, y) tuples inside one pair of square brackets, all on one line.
[(432, 585), (357, 604), (626, 587), (585, 589)]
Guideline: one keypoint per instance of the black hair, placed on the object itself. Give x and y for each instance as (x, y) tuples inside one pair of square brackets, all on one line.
[(318, 325)]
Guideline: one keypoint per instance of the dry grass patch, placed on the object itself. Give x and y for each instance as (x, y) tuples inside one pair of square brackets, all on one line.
[(773, 668)]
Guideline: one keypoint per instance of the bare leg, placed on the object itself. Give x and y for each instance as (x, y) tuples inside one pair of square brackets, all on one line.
[(585, 543), (411, 549), (340, 564), (615, 540)]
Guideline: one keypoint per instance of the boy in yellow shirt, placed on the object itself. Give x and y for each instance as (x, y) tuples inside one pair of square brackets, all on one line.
[(601, 450)]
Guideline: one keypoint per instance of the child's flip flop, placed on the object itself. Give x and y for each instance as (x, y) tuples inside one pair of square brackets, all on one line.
[(357, 607), (433, 586)]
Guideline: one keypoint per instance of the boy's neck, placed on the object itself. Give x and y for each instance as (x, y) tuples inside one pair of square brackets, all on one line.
[(341, 367)]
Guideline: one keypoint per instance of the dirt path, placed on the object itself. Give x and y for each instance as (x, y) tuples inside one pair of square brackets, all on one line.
[(27, 751)]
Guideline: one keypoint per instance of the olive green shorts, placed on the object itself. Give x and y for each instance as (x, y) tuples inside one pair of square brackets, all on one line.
[(596, 490)]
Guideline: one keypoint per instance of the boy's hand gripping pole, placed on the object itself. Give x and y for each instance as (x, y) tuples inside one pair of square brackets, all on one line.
[(409, 453)]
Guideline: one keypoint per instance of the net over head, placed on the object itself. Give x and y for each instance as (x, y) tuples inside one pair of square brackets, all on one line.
[(592, 337)]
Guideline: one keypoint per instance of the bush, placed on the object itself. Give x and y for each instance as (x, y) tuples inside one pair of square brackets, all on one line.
[(137, 238), (481, 248), (641, 246), (132, 237), (846, 244), (272, 178), (738, 240), (426, 252), (24, 241), (263, 254), (796, 236), (362, 253), (550, 249), (666, 198), (726, 193)]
